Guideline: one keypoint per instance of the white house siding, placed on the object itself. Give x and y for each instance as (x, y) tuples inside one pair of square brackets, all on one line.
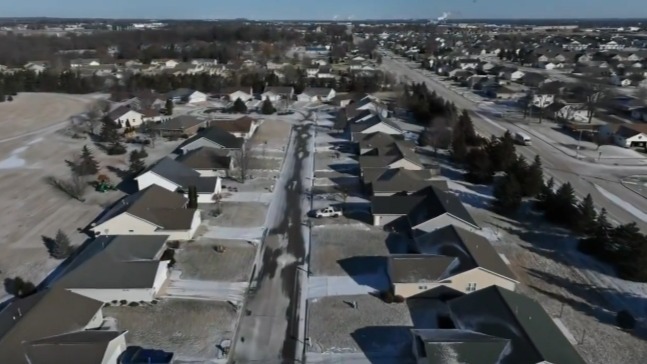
[(114, 349), (403, 163), (96, 321), (149, 178), (107, 295), (306, 98), (271, 96), (381, 220), (442, 221), (131, 116), (459, 282), (239, 95), (383, 128), (199, 143), (205, 197), (197, 96), (211, 173)]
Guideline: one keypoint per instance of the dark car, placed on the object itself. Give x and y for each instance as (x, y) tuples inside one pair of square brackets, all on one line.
[(139, 355)]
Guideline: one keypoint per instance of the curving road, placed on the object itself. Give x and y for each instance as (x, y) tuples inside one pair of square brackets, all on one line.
[(603, 182)]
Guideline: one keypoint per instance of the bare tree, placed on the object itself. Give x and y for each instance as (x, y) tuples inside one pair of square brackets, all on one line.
[(95, 112), (542, 101), (73, 187), (593, 95), (241, 159), (641, 94)]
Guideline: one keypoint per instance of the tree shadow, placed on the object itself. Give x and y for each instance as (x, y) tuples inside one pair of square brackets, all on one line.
[(19, 287), (72, 261), (596, 301), (368, 271), (385, 344), (50, 244), (127, 184), (474, 200)]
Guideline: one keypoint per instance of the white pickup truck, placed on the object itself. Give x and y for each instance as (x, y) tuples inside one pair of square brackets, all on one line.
[(328, 212)]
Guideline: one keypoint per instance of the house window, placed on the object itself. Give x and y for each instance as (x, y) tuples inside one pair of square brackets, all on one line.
[(422, 287), (471, 287), (131, 231)]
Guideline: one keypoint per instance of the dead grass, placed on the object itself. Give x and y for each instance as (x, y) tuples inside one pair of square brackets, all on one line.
[(239, 214), (201, 261), (189, 328), (374, 327), (332, 244)]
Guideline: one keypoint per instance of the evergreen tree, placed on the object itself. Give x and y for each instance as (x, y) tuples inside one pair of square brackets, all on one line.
[(546, 194), (193, 197), (60, 247), (239, 106), (562, 208), (136, 164), (502, 152), (142, 152), (466, 128), (267, 108), (587, 215), (128, 125), (87, 166), (479, 168), (109, 132), (507, 192), (534, 179), (169, 107), (458, 148), (518, 169), (116, 148)]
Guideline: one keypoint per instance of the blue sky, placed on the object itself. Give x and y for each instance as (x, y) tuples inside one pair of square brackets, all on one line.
[(324, 9)]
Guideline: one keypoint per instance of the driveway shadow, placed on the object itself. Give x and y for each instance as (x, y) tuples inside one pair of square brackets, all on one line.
[(368, 271)]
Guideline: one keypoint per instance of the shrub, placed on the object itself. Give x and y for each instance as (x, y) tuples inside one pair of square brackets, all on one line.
[(114, 302), (154, 302), (387, 296), (123, 302), (133, 304), (625, 320), (398, 299)]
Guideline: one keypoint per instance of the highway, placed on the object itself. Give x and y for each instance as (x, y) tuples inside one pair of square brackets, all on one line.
[(601, 181)]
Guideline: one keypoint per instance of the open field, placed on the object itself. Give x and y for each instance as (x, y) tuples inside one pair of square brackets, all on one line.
[(33, 209), (375, 328), (189, 328), (239, 214), (200, 261)]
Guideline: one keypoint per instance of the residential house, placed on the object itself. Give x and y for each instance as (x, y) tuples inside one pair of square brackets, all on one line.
[(375, 124), (639, 114), (125, 116), (276, 93), (402, 181), (165, 63), (244, 94), (368, 142), (183, 125), (115, 268), (80, 62), (243, 127), (474, 264), (153, 211), (397, 155), (532, 79), (531, 333), (430, 346), (314, 94), (212, 137), (631, 136), (151, 115), (57, 326), (174, 176), (36, 66), (424, 211), (206, 62), (208, 162), (188, 96), (311, 72)]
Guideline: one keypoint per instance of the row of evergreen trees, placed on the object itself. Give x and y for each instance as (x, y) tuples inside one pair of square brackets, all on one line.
[(623, 246)]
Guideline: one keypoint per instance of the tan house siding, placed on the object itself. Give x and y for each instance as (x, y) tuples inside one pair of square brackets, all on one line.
[(442, 221), (460, 282), (114, 350), (125, 224)]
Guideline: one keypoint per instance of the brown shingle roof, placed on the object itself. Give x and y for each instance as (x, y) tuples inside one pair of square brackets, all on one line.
[(206, 158), (240, 125)]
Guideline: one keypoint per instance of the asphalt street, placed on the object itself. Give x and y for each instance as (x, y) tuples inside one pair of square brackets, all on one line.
[(269, 329), (601, 181)]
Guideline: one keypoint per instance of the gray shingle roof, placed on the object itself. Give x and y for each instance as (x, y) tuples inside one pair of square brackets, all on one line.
[(116, 262), (317, 91), (460, 346), (417, 268), (472, 250), (179, 123), (402, 180), (182, 175), (394, 205), (377, 140), (437, 203), (502, 313), (156, 205), (47, 313), (218, 136), (206, 158), (78, 347)]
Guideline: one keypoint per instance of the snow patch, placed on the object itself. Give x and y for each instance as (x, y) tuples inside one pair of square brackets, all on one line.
[(622, 203)]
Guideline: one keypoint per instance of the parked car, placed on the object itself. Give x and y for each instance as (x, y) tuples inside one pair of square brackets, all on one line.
[(328, 212)]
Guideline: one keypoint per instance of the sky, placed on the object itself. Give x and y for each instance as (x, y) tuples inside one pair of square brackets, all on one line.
[(324, 9)]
